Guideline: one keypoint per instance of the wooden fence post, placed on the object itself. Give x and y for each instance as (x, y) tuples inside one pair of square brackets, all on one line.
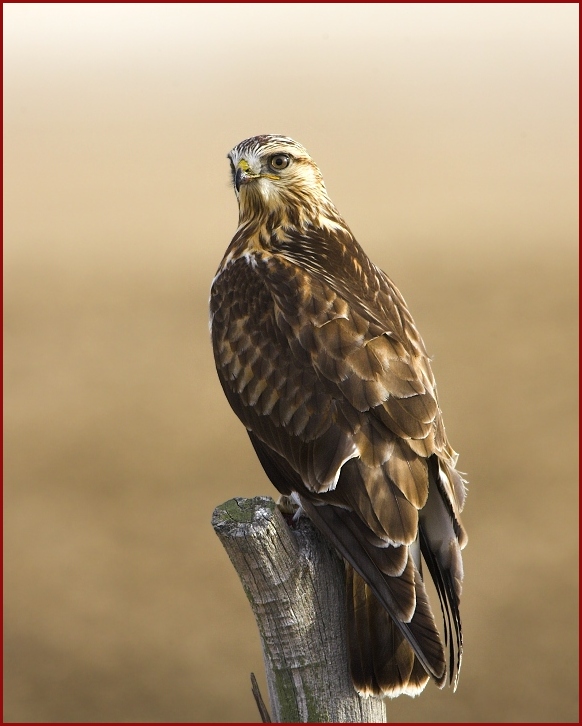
[(294, 582)]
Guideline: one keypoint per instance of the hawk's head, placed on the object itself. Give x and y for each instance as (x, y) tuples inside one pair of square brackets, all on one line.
[(274, 176)]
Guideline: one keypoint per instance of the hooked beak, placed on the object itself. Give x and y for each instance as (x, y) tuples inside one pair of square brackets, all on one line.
[(238, 178), (243, 174)]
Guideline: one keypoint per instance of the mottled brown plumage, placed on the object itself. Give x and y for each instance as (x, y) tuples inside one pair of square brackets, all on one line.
[(320, 359)]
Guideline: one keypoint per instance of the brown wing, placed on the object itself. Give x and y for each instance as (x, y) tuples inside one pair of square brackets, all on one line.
[(336, 392)]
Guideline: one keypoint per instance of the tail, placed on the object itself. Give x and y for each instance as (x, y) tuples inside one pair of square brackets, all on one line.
[(382, 661)]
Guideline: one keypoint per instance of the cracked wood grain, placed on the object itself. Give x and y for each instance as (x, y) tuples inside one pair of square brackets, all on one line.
[(295, 584)]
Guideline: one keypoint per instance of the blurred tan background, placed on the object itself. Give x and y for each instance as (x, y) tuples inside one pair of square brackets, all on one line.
[(447, 135)]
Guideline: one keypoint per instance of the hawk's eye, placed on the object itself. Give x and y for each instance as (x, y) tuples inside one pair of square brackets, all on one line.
[(279, 161)]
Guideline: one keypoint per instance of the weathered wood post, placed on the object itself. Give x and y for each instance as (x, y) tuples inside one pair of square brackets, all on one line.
[(295, 584)]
